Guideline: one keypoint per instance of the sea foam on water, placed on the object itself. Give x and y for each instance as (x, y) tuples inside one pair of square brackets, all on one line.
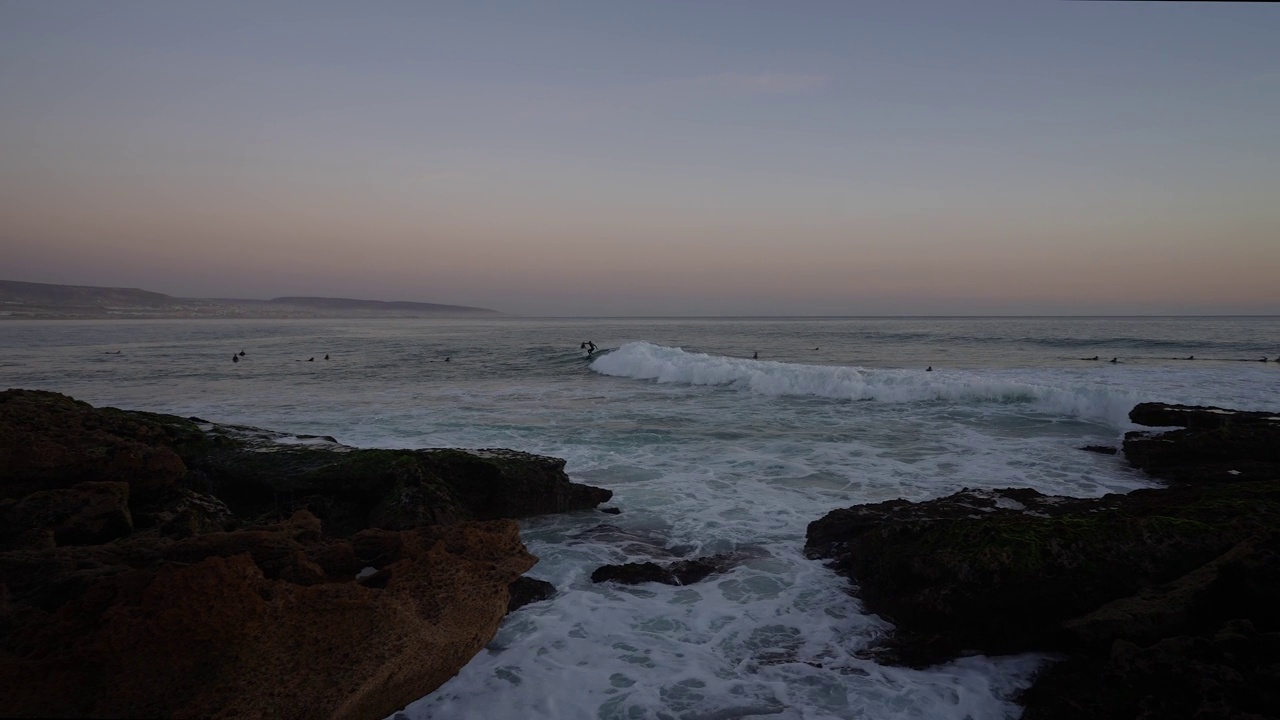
[(707, 452)]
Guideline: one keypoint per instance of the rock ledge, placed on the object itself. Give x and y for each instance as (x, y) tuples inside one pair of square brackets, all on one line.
[(152, 565), (1164, 603)]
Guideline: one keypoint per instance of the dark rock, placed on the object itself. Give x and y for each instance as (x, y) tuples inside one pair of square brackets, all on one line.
[(1226, 454), (1163, 603), (1246, 585), (85, 514), (350, 489), (1229, 673), (1101, 449), (32, 539), (1169, 609), (1216, 445), (611, 510), (243, 575), (682, 572), (495, 483), (50, 441), (1196, 416), (527, 590), (149, 628), (1002, 571), (634, 574), (185, 514)]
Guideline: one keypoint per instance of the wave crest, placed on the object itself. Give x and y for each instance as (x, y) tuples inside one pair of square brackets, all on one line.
[(647, 361)]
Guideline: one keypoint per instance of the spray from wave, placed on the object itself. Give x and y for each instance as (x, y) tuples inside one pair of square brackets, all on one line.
[(647, 361)]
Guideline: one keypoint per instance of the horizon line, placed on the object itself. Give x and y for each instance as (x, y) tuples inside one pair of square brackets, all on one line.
[(507, 316)]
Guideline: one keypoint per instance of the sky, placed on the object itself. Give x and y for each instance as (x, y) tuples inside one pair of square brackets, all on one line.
[(650, 158)]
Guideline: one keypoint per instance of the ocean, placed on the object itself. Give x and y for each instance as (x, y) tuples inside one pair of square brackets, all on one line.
[(707, 450)]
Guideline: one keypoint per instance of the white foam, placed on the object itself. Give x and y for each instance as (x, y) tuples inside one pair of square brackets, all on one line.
[(778, 631), (779, 634), (647, 361), (1009, 504), (709, 453)]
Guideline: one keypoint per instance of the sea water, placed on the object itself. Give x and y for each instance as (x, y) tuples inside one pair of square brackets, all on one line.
[(707, 450)]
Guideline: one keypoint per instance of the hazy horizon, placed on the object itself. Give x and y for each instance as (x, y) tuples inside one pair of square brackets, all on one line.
[(663, 159)]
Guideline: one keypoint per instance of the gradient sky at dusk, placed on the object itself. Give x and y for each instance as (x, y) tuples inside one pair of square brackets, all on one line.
[(650, 158)]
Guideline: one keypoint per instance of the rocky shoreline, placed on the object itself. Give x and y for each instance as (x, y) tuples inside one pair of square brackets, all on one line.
[(157, 566), (1159, 603)]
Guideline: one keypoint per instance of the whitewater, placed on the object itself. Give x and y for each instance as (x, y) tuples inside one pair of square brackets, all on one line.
[(707, 451)]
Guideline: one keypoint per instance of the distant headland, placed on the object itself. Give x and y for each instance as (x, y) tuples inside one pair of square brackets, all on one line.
[(24, 300)]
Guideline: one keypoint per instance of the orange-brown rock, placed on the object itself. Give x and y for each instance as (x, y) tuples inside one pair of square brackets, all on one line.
[(50, 441), (152, 565), (220, 636)]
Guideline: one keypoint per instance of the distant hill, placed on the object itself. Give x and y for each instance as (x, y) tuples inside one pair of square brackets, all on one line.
[(25, 293), (40, 300)]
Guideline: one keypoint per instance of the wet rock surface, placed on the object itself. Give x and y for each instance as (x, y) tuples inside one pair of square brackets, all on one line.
[(1215, 445), (680, 572), (152, 565), (1197, 416), (1162, 603), (526, 590)]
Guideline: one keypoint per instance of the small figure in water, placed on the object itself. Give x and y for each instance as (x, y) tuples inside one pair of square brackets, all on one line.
[(1191, 357), (1113, 360), (326, 356), (815, 348), (235, 358), (446, 358), (311, 359), (929, 369), (755, 355), (241, 353)]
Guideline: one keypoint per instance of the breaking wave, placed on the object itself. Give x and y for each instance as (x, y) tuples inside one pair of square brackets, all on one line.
[(647, 361)]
